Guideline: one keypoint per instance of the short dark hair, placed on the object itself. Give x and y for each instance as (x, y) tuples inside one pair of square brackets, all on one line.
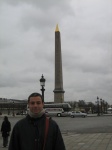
[(35, 95)]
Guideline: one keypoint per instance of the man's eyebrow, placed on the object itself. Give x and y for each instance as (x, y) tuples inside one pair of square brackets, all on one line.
[(35, 102)]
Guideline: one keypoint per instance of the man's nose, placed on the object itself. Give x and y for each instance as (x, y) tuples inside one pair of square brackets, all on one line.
[(35, 104)]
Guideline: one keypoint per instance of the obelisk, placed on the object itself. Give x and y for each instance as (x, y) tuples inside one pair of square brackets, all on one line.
[(58, 91)]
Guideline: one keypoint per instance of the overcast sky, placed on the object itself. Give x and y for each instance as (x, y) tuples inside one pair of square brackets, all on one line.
[(27, 48)]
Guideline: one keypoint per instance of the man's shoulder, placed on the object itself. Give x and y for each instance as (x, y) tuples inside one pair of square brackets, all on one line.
[(52, 121)]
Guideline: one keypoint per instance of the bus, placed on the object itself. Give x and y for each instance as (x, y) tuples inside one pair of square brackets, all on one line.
[(65, 106), (59, 112), (57, 109), (109, 110)]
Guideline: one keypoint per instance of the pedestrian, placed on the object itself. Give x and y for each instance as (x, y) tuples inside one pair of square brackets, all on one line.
[(36, 131), (5, 129)]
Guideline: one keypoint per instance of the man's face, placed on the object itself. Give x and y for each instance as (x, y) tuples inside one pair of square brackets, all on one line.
[(35, 104)]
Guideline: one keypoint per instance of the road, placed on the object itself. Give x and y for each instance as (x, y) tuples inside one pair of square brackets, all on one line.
[(96, 124)]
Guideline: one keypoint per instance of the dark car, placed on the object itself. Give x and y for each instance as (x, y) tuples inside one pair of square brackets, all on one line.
[(18, 113)]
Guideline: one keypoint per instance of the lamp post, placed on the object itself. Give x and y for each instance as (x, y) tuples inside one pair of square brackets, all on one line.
[(13, 109), (101, 105), (106, 107), (104, 104), (42, 84), (98, 106)]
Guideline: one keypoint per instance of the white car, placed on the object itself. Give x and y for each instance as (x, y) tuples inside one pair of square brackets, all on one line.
[(78, 114)]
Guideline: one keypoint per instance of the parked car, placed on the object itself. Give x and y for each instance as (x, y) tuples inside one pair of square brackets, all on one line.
[(78, 114), (18, 113), (21, 113)]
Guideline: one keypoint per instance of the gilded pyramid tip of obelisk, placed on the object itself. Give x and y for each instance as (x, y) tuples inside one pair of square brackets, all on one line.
[(57, 29)]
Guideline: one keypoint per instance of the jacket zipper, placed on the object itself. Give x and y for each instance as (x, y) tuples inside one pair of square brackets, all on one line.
[(37, 144)]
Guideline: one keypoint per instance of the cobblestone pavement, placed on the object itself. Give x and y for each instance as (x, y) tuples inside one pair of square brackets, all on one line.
[(94, 141)]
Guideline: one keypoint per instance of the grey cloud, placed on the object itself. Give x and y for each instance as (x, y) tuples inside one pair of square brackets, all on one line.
[(7, 81), (27, 47)]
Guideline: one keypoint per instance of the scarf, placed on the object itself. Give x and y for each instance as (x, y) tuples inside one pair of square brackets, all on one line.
[(32, 115)]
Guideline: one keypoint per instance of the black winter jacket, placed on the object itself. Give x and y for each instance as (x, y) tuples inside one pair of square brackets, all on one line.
[(28, 134), (5, 128)]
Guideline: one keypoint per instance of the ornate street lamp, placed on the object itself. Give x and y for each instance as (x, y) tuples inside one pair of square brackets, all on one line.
[(13, 109), (42, 84), (101, 105), (98, 106)]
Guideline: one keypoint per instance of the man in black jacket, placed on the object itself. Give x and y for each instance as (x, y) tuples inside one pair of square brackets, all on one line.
[(5, 129), (36, 131)]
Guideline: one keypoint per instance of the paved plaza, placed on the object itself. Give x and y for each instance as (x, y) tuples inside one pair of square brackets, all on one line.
[(94, 141), (81, 141)]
